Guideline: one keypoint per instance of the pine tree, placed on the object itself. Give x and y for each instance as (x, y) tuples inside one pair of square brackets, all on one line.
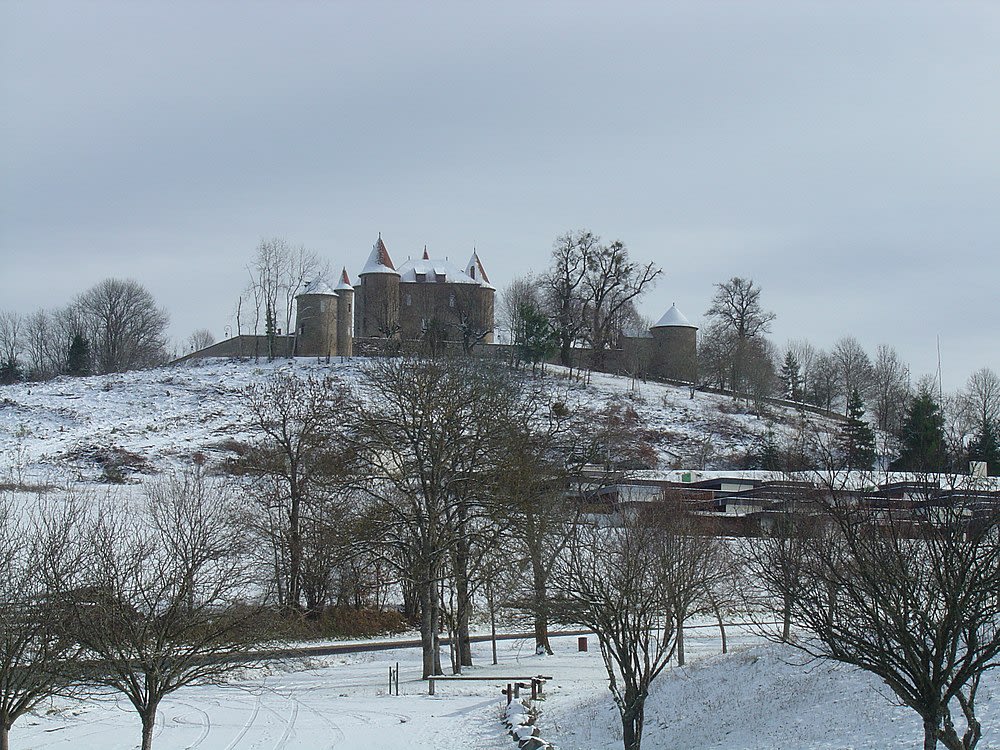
[(922, 435), (78, 359), (856, 439), (986, 447), (537, 340), (791, 378)]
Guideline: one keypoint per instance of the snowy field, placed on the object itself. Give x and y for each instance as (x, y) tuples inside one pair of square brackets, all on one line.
[(757, 697)]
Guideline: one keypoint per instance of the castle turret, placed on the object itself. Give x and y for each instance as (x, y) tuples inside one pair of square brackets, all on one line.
[(316, 321), (377, 309), (487, 292), (674, 352), (345, 316)]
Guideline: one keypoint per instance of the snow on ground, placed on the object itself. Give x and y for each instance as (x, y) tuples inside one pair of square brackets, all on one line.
[(757, 697), (51, 432)]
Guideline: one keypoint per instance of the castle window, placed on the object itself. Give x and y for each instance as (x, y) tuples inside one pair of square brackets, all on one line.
[(322, 305), (439, 277), (451, 301), (421, 276), (409, 300)]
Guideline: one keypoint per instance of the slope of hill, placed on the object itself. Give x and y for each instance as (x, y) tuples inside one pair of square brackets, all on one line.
[(79, 429)]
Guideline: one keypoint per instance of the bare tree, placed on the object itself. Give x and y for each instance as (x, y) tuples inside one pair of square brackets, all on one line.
[(295, 457), (278, 273), (164, 598), (124, 325), (738, 318), (563, 288), (911, 597), (200, 339), (429, 443), (617, 581), (853, 367), (11, 327), (37, 656), (823, 388), (890, 389), (611, 285)]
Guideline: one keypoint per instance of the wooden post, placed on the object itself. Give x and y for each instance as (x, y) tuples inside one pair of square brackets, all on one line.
[(430, 686), (510, 693)]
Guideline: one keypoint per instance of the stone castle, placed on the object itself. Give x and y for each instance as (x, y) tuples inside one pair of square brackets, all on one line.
[(432, 305), (422, 299)]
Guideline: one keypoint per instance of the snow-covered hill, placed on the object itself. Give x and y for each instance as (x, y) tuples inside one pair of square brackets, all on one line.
[(70, 429)]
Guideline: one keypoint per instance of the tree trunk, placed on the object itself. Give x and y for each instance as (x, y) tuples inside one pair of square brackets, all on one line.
[(680, 643), (148, 724), (294, 548), (4, 735), (786, 619), (930, 734), (632, 728), (541, 610), (722, 629), (431, 658)]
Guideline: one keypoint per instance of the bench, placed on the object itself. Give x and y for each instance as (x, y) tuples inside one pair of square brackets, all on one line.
[(514, 684)]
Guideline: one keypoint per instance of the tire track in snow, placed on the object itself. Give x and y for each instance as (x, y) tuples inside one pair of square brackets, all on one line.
[(340, 736), (206, 724), (246, 726)]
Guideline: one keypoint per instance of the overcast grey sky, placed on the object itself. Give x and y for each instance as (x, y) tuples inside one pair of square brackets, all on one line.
[(844, 156)]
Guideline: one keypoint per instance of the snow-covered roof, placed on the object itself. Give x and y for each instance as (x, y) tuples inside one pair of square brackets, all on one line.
[(674, 318), (379, 261), (318, 286), (474, 270), (345, 282), (432, 268)]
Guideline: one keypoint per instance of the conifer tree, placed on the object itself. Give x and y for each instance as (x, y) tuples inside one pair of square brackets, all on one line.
[(791, 377), (986, 447), (857, 441), (922, 436), (78, 360)]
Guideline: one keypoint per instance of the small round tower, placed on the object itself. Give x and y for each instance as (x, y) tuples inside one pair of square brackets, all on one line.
[(316, 321), (674, 352), (345, 316), (377, 311)]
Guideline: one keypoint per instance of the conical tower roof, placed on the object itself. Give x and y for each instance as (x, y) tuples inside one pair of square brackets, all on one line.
[(474, 270), (345, 282), (379, 260), (674, 318)]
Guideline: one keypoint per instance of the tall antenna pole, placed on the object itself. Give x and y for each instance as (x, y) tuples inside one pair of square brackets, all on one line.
[(940, 384)]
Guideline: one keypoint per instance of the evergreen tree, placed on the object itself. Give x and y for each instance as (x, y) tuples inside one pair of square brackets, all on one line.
[(78, 360), (791, 378), (922, 436), (765, 454), (856, 439), (986, 447), (537, 340)]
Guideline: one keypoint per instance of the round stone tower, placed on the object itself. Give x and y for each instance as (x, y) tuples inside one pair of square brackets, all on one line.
[(345, 316), (377, 312), (316, 321), (674, 352), (485, 295)]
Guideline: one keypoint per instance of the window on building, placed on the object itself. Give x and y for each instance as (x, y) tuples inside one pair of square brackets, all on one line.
[(451, 301), (409, 300)]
